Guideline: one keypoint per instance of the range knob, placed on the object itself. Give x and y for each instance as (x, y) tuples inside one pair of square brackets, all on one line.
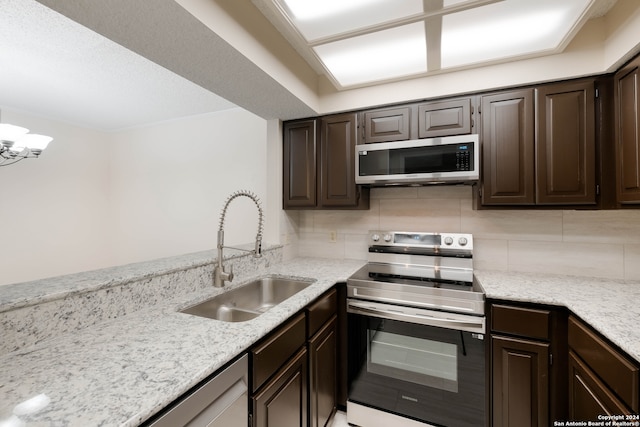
[(448, 241), (463, 241), (375, 237), (387, 237)]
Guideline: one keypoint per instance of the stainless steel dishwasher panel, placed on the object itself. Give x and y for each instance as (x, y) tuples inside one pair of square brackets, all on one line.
[(221, 402)]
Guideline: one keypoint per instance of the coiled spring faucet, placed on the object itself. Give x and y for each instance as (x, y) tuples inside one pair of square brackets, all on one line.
[(219, 274)]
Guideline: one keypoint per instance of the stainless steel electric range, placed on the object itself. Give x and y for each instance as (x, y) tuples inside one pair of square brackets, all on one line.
[(416, 325)]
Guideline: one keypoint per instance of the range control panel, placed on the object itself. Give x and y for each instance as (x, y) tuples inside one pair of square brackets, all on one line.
[(461, 241)]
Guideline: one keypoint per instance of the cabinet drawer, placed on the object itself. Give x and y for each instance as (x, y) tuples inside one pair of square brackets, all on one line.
[(321, 311), (279, 347), (619, 373), (525, 322)]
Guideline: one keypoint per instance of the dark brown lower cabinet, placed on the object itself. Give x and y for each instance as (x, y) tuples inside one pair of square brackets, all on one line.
[(602, 380), (588, 396), (528, 364), (520, 382), (282, 402), (295, 369), (323, 365)]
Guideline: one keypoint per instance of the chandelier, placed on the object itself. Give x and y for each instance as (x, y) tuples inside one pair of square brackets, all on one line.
[(16, 143)]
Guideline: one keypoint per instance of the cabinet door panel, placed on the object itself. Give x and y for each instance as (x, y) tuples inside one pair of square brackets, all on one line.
[(619, 373), (338, 141), (444, 118), (299, 164), (386, 125), (283, 401), (565, 144), (323, 349), (520, 389), (588, 396), (508, 148), (627, 130)]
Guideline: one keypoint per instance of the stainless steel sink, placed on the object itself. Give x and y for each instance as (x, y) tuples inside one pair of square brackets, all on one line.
[(248, 301)]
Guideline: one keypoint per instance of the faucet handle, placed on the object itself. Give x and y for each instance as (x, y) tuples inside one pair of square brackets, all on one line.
[(230, 273)]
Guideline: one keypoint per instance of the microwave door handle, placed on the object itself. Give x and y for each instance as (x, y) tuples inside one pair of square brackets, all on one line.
[(472, 325)]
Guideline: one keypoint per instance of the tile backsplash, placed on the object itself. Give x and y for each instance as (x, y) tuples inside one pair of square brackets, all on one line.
[(596, 243)]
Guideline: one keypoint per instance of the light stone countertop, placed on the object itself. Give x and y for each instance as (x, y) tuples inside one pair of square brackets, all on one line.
[(612, 307), (122, 371), (44, 290)]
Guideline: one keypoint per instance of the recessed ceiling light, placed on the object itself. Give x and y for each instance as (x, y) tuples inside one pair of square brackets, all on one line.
[(507, 29), (386, 54), (319, 19), (359, 42)]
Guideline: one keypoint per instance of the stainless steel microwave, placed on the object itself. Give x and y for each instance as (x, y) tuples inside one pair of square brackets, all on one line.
[(450, 159)]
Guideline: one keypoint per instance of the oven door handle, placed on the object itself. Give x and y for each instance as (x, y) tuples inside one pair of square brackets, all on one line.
[(469, 323)]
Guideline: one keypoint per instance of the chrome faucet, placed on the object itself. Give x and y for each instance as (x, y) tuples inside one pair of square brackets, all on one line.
[(219, 274)]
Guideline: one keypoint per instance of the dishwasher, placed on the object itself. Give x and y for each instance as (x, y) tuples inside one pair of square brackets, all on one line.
[(220, 402)]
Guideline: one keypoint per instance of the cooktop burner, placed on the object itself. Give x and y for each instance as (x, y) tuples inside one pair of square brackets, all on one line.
[(428, 270)]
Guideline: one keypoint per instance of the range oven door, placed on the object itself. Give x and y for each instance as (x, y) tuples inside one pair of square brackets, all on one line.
[(426, 373)]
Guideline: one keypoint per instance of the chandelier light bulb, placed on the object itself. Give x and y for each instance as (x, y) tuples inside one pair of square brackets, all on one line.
[(16, 144), (34, 141), (11, 132)]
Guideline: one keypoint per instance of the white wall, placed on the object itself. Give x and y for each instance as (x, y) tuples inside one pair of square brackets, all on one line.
[(94, 200), (169, 183), (54, 209)]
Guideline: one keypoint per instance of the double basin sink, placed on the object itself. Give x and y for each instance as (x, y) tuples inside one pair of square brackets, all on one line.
[(249, 301)]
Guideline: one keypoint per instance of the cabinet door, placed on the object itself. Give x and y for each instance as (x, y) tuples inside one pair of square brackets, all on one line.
[(615, 370), (443, 118), (520, 392), (337, 161), (323, 365), (391, 124), (508, 148), (282, 402), (627, 131), (588, 396), (299, 164), (565, 143)]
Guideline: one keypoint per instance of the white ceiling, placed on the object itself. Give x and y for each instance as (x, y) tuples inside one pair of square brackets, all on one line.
[(114, 64), (55, 67)]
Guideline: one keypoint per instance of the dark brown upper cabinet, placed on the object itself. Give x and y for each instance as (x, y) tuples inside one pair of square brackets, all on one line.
[(508, 148), (319, 164), (299, 171), (444, 118), (338, 137), (386, 125), (539, 145), (413, 121), (627, 132), (565, 143)]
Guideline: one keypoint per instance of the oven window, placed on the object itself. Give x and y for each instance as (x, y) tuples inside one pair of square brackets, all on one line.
[(417, 360)]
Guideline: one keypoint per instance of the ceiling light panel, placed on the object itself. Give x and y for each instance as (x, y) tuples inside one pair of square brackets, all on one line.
[(316, 20), (388, 54), (507, 29)]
